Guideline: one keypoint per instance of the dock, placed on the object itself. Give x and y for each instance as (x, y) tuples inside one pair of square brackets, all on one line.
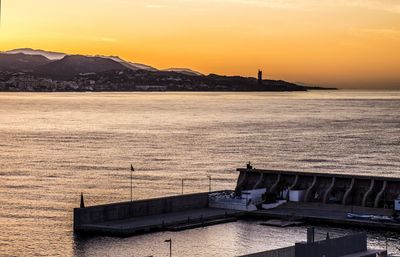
[(175, 213), (326, 188), (175, 221), (326, 197), (316, 213), (307, 197), (282, 223)]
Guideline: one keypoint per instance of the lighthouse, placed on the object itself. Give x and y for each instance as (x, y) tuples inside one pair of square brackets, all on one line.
[(260, 77)]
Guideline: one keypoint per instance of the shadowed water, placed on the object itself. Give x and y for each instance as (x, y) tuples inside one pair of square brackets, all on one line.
[(55, 146)]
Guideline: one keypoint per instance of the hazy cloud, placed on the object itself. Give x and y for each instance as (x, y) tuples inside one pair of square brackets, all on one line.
[(280, 4), (382, 5), (108, 40), (155, 6), (388, 5), (382, 31)]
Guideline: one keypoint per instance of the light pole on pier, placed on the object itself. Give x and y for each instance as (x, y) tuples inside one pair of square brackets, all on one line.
[(170, 246), (209, 183), (386, 241), (132, 170)]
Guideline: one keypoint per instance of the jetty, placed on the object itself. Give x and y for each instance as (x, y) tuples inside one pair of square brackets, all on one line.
[(282, 223), (290, 196), (325, 188), (172, 213), (326, 198)]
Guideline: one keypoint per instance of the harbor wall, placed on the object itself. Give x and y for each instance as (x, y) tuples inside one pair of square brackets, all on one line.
[(126, 210), (345, 189), (333, 247), (282, 252), (336, 247)]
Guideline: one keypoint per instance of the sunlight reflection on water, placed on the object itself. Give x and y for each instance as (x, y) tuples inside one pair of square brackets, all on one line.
[(54, 146)]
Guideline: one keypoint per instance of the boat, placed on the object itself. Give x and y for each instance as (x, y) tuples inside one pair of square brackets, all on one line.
[(377, 218), (358, 216)]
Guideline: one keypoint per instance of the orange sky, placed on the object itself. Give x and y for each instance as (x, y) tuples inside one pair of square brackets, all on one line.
[(343, 43)]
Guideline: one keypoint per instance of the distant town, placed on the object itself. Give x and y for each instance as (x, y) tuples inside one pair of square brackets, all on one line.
[(28, 70)]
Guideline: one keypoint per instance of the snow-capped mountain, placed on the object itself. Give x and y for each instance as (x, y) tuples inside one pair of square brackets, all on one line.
[(54, 56)]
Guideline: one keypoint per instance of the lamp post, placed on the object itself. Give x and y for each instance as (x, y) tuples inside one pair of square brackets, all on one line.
[(209, 183), (132, 170), (170, 246), (386, 241)]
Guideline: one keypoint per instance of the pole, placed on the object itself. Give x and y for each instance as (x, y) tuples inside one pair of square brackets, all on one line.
[(170, 246), (132, 170), (131, 185), (386, 239), (182, 186), (209, 183)]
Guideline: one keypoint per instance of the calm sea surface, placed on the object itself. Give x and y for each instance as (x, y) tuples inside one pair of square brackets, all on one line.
[(55, 146)]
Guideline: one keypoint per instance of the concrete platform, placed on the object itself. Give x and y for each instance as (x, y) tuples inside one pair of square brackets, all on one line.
[(282, 223), (161, 222), (200, 223), (327, 213), (191, 211)]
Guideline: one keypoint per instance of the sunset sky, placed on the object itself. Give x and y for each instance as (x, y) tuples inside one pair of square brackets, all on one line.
[(343, 43)]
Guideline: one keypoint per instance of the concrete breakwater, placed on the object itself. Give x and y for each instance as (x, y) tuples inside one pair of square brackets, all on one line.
[(350, 245), (321, 197), (125, 210), (365, 191), (159, 214)]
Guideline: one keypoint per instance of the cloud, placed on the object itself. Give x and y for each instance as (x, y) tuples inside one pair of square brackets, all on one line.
[(279, 4), (382, 31), (387, 33), (108, 40), (388, 5), (155, 6), (380, 5)]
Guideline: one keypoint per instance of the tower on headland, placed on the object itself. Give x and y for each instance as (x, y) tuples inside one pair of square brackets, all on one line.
[(260, 77)]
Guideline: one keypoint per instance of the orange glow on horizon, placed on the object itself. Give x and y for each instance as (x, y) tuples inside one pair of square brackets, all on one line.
[(348, 44)]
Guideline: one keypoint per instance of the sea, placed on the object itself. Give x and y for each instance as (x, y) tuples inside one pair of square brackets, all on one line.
[(55, 146)]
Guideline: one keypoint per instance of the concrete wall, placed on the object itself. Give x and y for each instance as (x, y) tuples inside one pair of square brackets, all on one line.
[(283, 252), (367, 191), (329, 248), (125, 210), (333, 247)]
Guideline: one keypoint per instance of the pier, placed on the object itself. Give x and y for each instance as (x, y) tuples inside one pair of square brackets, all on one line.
[(172, 213), (325, 188), (314, 213), (307, 197)]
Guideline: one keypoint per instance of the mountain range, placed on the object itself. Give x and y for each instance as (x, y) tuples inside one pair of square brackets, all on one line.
[(58, 64), (32, 70)]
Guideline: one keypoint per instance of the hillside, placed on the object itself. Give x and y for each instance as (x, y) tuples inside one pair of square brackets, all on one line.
[(29, 51), (21, 62), (23, 72), (72, 65)]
